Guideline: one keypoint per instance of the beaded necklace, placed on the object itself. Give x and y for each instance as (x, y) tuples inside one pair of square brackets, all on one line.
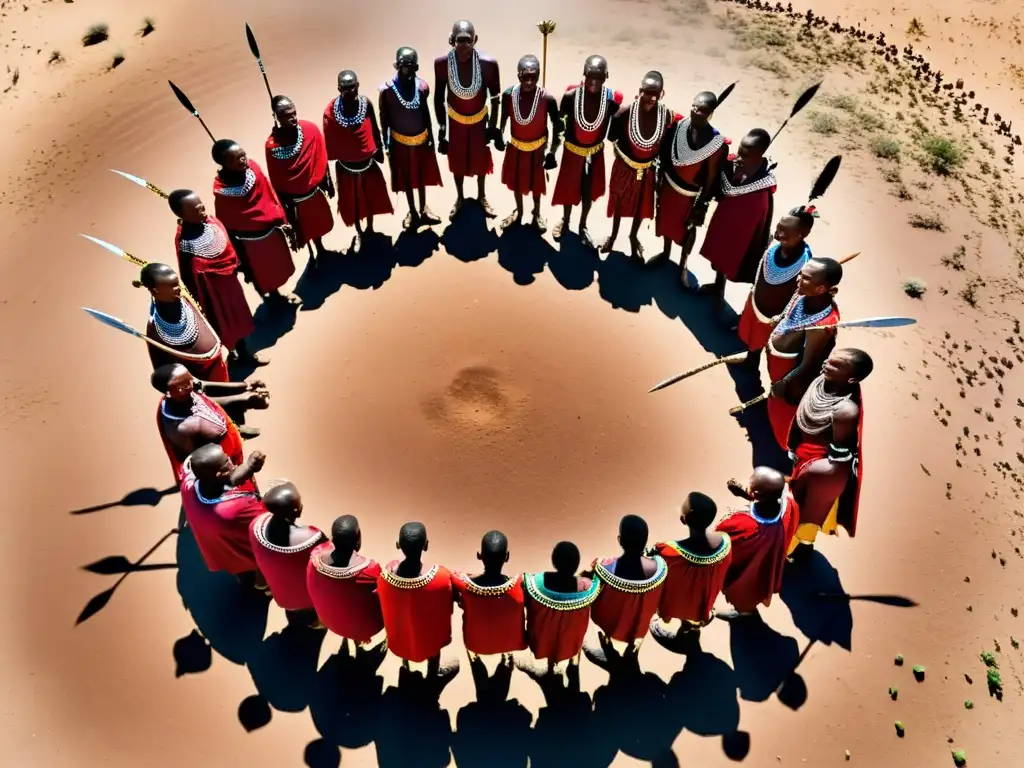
[(200, 410), (776, 275), (226, 496), (260, 529), (180, 334), (715, 557), (244, 189), (560, 601), (210, 243), (357, 120), (734, 190), (288, 152), (402, 582), (766, 520), (414, 102), (796, 318), (628, 585), (682, 154), (517, 113), (634, 127), (455, 86), (337, 572), (581, 120), (817, 408)]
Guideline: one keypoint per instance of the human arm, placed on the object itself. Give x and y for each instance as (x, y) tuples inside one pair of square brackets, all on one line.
[(252, 464), (440, 108), (257, 399), (557, 127), (845, 421), (712, 174), (665, 151), (618, 127), (425, 111), (385, 125), (371, 115), (492, 81), (817, 342), (506, 110)]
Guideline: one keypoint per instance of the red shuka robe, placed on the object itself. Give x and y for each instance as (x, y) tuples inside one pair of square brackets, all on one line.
[(469, 154), (569, 184), (417, 612), (522, 170), (284, 568), (624, 607), (209, 267), (816, 496), (780, 410), (494, 619), (362, 191), (759, 547), (631, 191), (755, 328), (412, 166), (684, 174), (230, 441), (556, 622), (739, 228), (693, 582), (345, 599), (207, 347), (253, 215), (296, 172), (221, 525)]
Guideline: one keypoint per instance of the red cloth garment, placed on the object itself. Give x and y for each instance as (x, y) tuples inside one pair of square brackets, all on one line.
[(209, 265), (203, 408), (284, 567), (569, 184), (759, 546), (624, 608), (523, 171), (211, 366), (221, 525), (556, 622), (738, 231), (417, 612), (493, 618), (413, 162), (693, 582), (753, 331), (362, 191), (296, 172), (345, 599), (816, 496), (685, 173), (674, 209), (469, 153), (413, 167), (631, 191), (253, 215)]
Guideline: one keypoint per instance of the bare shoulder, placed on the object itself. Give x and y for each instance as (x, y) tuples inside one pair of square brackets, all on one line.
[(847, 411), (441, 65)]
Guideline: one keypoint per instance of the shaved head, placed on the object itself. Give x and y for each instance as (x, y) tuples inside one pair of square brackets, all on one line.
[(565, 558), (208, 462), (284, 501), (345, 534), (653, 81), (462, 29), (706, 99), (347, 78), (494, 550), (412, 539), (633, 534), (528, 62), (595, 65), (758, 140), (406, 57), (767, 484), (699, 511), (278, 102)]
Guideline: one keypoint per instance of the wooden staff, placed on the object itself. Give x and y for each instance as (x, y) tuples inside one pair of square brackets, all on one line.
[(121, 325), (255, 49), (546, 28), (739, 357), (135, 261)]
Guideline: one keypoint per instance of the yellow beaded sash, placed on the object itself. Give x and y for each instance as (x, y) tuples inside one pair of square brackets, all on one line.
[(528, 146), (583, 151), (410, 141), (640, 168), (467, 119), (715, 557), (628, 585)]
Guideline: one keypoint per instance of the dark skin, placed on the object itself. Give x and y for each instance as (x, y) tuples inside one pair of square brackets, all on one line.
[(216, 472), (235, 162), (287, 132), (348, 87), (493, 563), (595, 74), (651, 92), (342, 556), (840, 379), (702, 538), (411, 564), (407, 65), (529, 75), (285, 503), (700, 133), (765, 485), (464, 39), (811, 284)]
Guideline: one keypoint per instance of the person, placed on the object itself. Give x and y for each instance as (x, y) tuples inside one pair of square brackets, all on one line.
[(795, 351), (775, 281), (827, 445), (183, 331), (492, 603), (692, 153), (343, 584), (636, 134), (355, 146), (464, 82), (297, 165), (220, 501), (697, 567), (741, 224), (209, 269), (416, 602), (558, 605), (630, 588), (760, 537), (409, 137), (529, 155), (587, 110), (188, 417), (255, 220), (282, 549)]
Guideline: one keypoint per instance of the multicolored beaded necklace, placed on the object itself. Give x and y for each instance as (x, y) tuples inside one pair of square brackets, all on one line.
[(414, 102), (796, 318), (244, 189), (207, 245), (357, 120), (776, 275), (290, 151)]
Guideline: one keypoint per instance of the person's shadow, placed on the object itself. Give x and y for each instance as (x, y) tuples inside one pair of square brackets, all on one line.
[(702, 697), (468, 238), (573, 265), (283, 667), (624, 283), (414, 248), (413, 729), (523, 253), (765, 662), (345, 701), (493, 731), (148, 497)]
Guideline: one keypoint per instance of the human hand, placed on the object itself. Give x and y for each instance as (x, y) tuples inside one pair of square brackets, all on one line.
[(779, 388), (550, 162), (378, 156), (255, 384), (256, 460), (442, 143), (259, 400)]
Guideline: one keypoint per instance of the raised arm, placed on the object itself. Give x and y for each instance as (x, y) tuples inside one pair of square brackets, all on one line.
[(253, 463)]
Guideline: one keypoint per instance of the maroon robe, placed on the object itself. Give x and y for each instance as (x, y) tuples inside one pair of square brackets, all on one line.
[(631, 190), (686, 172), (468, 151), (412, 159), (298, 173), (522, 170), (741, 225), (362, 191), (569, 184)]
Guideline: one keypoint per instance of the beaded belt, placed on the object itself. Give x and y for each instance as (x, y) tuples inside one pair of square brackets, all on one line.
[(253, 236), (410, 141), (680, 190), (528, 146), (306, 197), (640, 168), (366, 167), (583, 151), (467, 119)]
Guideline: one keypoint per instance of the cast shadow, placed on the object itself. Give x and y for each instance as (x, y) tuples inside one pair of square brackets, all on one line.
[(574, 265), (140, 497), (468, 238), (370, 268), (413, 729), (567, 710), (273, 320), (624, 715), (493, 731), (283, 667), (414, 248), (345, 701), (523, 253), (764, 661), (624, 283)]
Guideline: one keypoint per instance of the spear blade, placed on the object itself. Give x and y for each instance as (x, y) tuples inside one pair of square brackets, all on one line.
[(120, 252), (141, 182)]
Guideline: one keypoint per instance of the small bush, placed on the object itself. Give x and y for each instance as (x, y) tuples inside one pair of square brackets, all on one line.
[(870, 121), (955, 260), (885, 147), (927, 221), (969, 294), (842, 101), (768, 63), (117, 61), (824, 123), (915, 287), (915, 28), (943, 156), (95, 35), (56, 57), (148, 27)]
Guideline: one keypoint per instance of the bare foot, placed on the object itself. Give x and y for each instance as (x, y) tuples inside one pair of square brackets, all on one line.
[(456, 208), (607, 245), (513, 219), (636, 249), (486, 208), (735, 615), (559, 230), (539, 223), (428, 217), (586, 239)]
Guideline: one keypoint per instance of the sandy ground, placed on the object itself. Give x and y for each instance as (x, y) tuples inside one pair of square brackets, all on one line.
[(481, 382)]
